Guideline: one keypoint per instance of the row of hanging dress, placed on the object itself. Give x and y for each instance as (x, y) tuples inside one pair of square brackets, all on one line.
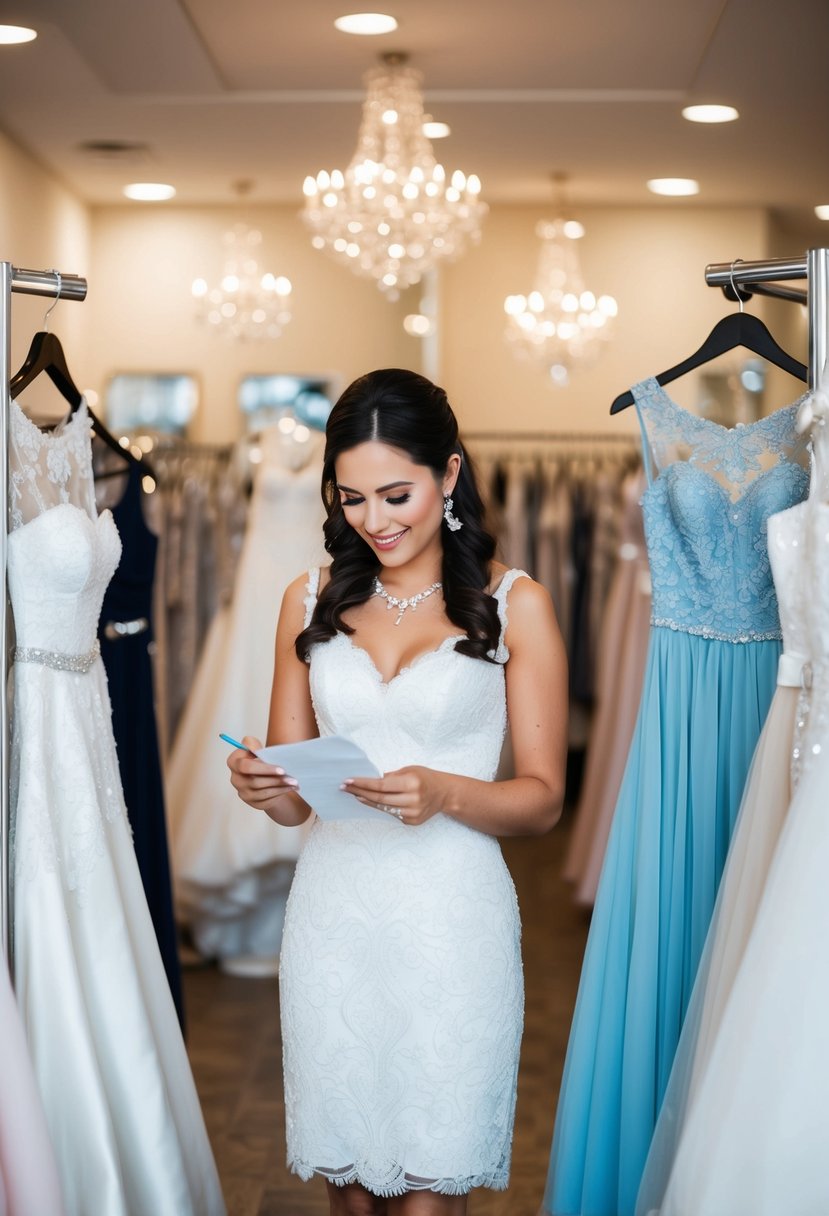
[(198, 510), (710, 674), (556, 514), (102, 1030), (742, 1130), (232, 866), (620, 665)]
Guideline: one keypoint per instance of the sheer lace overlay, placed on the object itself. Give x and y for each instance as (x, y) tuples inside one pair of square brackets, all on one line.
[(400, 979), (706, 511), (61, 558)]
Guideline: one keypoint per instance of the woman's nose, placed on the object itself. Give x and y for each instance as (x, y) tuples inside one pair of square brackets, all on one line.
[(376, 516)]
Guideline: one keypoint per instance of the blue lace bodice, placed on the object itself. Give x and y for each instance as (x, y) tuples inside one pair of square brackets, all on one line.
[(710, 492)]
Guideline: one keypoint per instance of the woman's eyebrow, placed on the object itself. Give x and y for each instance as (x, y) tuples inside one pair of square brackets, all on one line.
[(393, 485)]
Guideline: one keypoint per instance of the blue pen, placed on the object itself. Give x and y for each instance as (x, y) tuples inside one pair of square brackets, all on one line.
[(234, 742)]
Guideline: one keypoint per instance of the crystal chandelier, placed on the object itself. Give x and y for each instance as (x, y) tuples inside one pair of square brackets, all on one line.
[(247, 303), (395, 212), (560, 324)]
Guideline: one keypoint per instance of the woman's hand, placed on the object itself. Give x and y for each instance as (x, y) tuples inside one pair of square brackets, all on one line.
[(412, 794), (263, 786)]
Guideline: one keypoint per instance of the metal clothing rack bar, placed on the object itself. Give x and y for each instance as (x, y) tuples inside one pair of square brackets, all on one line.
[(14, 280), (768, 278)]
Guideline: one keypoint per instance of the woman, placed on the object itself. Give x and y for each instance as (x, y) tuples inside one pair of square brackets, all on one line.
[(400, 984)]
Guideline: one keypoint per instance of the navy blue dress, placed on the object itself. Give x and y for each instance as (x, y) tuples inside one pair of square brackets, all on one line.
[(125, 633)]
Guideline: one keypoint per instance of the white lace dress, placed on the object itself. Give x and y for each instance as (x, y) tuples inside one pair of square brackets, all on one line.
[(106, 1047), (401, 983)]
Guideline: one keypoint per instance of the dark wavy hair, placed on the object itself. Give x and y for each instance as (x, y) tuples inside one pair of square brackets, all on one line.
[(405, 411)]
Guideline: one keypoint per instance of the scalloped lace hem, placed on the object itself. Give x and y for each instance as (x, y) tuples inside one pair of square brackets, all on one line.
[(397, 1182)]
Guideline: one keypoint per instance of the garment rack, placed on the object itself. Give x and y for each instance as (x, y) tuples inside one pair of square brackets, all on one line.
[(769, 278), (15, 280)]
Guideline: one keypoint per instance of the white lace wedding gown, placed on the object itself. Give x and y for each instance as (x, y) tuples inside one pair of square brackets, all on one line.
[(754, 1141), (107, 1051), (401, 985), (232, 867)]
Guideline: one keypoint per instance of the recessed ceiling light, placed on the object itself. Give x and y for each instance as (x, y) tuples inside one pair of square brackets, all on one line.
[(149, 192), (674, 186), (822, 211), (436, 130), (10, 35), (710, 113), (366, 23)]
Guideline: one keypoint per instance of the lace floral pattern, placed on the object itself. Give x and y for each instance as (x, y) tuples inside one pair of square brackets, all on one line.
[(47, 468), (65, 787), (706, 512), (400, 977)]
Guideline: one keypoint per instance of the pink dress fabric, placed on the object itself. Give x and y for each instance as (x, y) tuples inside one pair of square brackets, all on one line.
[(620, 666)]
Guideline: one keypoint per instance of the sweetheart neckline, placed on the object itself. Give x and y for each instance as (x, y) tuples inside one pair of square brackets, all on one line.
[(57, 507), (425, 654)]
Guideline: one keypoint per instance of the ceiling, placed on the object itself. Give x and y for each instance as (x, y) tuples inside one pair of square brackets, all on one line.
[(213, 92)]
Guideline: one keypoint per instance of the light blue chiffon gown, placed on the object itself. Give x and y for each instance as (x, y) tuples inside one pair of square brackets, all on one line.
[(710, 675)]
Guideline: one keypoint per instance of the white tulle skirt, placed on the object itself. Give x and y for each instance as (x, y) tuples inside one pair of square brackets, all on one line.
[(744, 1130)]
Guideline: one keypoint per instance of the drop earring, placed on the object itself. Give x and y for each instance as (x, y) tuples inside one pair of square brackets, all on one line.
[(452, 522)]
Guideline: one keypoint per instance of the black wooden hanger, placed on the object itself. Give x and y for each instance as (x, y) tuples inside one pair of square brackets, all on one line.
[(46, 355), (737, 329)]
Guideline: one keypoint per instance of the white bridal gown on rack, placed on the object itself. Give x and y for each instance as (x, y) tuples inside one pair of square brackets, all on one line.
[(105, 1042), (232, 866)]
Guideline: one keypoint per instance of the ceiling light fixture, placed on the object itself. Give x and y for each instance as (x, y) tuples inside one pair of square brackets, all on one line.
[(14, 35), (395, 212), (149, 192), (559, 324), (710, 113), (436, 130), (822, 211), (246, 304), (367, 24), (673, 187)]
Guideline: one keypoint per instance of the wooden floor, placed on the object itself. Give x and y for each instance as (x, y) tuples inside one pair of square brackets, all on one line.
[(233, 1038)]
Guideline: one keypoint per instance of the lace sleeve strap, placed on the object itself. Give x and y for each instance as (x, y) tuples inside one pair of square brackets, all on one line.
[(312, 587), (501, 653)]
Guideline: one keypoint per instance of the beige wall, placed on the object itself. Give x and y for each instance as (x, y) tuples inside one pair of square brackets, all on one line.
[(142, 313), (652, 260), (140, 261), (43, 225)]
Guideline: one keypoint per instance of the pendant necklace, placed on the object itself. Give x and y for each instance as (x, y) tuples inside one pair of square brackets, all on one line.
[(411, 601)]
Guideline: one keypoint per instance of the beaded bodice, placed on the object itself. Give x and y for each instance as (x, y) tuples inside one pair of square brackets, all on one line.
[(706, 511)]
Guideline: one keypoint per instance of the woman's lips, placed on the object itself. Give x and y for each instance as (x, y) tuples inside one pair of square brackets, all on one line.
[(388, 542)]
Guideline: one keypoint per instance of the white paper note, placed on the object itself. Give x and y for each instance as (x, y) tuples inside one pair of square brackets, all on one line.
[(320, 766)]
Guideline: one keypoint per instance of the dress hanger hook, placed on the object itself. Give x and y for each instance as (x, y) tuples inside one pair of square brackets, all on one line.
[(52, 307), (736, 290)]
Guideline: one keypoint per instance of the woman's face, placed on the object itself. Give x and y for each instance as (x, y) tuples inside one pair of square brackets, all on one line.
[(395, 505)]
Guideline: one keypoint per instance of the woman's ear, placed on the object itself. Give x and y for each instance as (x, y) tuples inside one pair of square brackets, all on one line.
[(453, 469)]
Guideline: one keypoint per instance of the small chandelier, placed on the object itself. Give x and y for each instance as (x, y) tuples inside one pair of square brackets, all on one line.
[(247, 304), (395, 212), (560, 324)]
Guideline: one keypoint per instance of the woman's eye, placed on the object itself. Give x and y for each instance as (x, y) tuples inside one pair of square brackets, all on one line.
[(351, 502), (398, 502)]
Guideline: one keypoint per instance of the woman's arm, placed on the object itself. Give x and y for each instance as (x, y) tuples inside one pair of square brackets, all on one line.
[(537, 700), (291, 720)]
